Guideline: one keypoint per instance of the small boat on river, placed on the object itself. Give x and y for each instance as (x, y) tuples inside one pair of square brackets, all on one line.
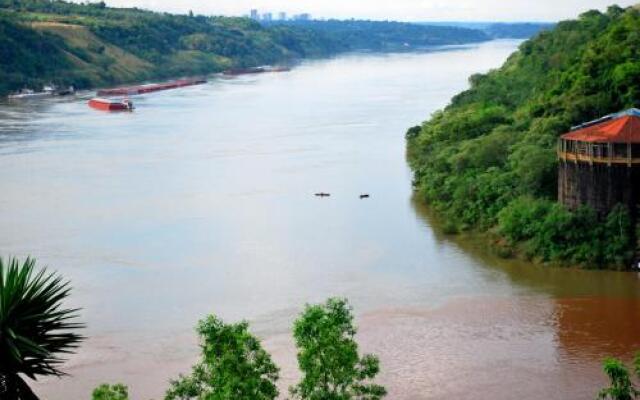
[(111, 105)]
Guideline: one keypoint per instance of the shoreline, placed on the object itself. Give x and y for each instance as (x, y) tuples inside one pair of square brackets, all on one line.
[(290, 63), (490, 243)]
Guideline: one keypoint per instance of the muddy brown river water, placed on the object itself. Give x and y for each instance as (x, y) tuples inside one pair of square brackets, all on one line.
[(201, 201)]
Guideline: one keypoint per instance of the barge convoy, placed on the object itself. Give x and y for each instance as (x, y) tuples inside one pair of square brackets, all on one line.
[(149, 88), (104, 104)]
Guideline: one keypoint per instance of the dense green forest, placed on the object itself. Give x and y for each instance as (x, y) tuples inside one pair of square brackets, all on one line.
[(89, 45), (522, 30), (487, 161), (386, 35), (500, 30)]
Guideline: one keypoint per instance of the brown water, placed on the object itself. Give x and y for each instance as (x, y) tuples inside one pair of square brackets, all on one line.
[(201, 201)]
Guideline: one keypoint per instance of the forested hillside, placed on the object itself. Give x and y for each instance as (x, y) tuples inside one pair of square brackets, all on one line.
[(386, 35), (89, 45), (500, 30), (487, 162), (516, 30)]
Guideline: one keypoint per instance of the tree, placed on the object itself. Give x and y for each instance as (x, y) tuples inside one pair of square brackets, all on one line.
[(496, 142), (234, 366), (110, 392), (621, 387), (34, 327), (328, 356)]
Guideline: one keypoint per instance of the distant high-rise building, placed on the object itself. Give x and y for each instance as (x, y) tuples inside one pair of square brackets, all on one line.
[(303, 17), (254, 14), (282, 16), (267, 17)]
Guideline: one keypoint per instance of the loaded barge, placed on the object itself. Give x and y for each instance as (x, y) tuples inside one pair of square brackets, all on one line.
[(111, 105), (149, 88)]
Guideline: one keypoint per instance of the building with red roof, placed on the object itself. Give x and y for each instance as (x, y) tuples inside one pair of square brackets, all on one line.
[(600, 163)]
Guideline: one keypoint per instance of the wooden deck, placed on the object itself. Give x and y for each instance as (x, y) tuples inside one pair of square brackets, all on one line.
[(593, 159)]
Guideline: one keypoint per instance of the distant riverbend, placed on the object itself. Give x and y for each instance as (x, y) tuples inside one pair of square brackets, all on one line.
[(202, 201)]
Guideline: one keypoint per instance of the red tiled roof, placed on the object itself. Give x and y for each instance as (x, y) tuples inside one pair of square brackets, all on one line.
[(625, 129)]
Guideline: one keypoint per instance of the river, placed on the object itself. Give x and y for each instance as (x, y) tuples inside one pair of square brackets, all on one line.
[(202, 201)]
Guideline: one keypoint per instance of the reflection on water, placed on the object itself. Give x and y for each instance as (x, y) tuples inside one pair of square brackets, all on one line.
[(505, 348), (202, 201), (547, 345), (592, 327), (555, 282)]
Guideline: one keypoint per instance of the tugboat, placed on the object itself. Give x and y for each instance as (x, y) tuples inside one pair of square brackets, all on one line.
[(111, 105), (66, 92)]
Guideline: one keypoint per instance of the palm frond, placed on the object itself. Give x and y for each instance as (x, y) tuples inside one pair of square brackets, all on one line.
[(35, 329)]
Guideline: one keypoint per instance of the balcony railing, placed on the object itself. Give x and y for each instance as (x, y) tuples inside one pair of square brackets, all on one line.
[(593, 159)]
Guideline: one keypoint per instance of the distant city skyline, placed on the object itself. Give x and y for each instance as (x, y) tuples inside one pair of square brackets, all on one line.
[(267, 16), (400, 10)]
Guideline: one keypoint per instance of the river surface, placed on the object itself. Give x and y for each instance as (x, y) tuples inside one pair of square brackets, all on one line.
[(201, 201)]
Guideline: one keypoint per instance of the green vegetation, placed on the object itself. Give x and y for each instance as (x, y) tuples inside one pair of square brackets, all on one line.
[(34, 328), (90, 44), (386, 35), (328, 356), (522, 30), (500, 30), (26, 55), (110, 392), (621, 387), (487, 161), (234, 366)]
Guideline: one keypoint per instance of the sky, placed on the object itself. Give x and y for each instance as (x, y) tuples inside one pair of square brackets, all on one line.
[(401, 10)]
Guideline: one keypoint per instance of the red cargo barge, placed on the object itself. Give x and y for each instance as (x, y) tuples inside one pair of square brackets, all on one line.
[(152, 87), (111, 105)]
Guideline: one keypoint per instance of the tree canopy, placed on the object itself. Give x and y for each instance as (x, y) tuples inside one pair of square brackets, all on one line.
[(234, 366), (487, 161), (328, 356)]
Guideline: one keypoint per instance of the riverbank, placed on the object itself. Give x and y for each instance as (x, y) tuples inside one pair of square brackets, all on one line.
[(491, 245), (92, 45), (488, 160)]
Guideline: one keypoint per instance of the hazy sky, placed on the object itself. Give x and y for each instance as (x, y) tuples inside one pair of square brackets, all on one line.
[(406, 10)]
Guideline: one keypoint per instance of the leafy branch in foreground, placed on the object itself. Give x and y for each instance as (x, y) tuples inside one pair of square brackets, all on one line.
[(34, 327), (110, 392), (234, 366), (621, 386), (328, 356)]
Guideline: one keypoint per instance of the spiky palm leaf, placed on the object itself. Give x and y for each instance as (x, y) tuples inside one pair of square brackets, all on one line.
[(34, 328)]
